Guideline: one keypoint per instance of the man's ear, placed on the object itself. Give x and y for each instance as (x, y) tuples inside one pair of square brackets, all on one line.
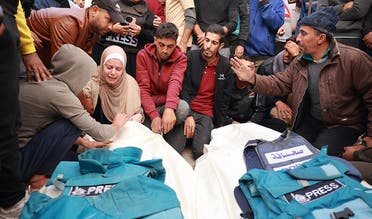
[(322, 38), (95, 10)]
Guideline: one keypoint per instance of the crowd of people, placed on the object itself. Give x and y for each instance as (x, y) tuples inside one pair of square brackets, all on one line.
[(72, 69)]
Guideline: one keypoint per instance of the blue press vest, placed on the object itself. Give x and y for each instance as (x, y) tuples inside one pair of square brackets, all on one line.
[(107, 184)]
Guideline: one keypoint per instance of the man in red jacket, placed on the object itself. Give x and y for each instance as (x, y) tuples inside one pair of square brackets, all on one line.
[(160, 70)]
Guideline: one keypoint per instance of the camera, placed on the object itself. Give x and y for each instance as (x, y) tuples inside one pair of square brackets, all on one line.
[(1, 15), (129, 20)]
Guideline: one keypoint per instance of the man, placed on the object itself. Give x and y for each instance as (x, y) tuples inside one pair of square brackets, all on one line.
[(352, 14), (53, 27), (206, 88), (360, 156), (182, 14), (222, 12), (266, 17), (240, 35), (12, 189), (160, 70), (31, 61), (307, 7), (276, 64), (330, 85), (53, 122), (367, 33)]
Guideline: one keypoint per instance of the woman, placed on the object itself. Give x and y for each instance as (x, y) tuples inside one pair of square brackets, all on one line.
[(111, 90), (132, 35)]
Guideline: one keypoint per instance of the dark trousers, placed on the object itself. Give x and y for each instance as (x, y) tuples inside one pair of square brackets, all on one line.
[(202, 134), (47, 148), (319, 135), (12, 189), (175, 137)]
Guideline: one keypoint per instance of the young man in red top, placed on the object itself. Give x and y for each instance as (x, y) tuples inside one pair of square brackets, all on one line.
[(206, 87), (160, 70)]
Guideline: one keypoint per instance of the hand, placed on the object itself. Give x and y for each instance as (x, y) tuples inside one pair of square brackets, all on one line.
[(235, 122), (349, 151), (136, 117), (284, 110), (239, 51), (119, 120), (157, 21), (368, 141), (244, 69), (189, 127), (200, 39), (134, 29), (367, 39), (225, 30), (183, 46), (347, 6), (281, 31), (34, 64), (120, 29), (156, 125), (168, 120), (292, 48), (95, 144), (2, 29)]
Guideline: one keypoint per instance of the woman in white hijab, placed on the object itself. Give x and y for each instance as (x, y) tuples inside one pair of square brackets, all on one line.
[(111, 90)]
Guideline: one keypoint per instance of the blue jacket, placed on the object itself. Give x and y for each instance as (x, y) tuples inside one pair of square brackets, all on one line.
[(313, 190), (107, 184), (265, 20)]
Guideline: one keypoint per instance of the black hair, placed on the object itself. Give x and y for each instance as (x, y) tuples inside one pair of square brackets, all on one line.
[(167, 30), (216, 29)]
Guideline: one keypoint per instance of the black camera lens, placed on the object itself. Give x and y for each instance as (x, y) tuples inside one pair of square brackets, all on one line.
[(128, 19)]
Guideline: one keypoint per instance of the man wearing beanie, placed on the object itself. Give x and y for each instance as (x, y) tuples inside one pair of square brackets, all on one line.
[(330, 83)]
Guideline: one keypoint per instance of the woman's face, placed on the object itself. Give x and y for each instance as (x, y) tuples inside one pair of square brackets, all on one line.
[(112, 71)]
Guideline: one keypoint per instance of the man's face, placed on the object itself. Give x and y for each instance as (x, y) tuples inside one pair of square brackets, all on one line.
[(164, 48), (211, 45), (308, 39), (101, 21)]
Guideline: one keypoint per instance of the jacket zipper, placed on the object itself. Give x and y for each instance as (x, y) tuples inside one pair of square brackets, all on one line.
[(156, 100)]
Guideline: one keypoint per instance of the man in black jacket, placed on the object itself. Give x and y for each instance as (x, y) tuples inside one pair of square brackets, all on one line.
[(222, 12), (12, 189), (206, 87), (367, 33)]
